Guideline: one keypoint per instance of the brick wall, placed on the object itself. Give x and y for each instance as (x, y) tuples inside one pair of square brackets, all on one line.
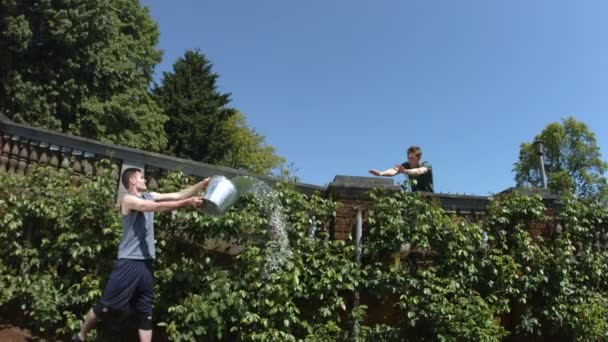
[(352, 193)]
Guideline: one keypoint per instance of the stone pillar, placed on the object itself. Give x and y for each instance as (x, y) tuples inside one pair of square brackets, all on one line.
[(33, 157), (65, 158), (152, 176), (5, 151), (43, 159), (13, 158), (87, 163), (24, 155), (54, 156), (76, 167)]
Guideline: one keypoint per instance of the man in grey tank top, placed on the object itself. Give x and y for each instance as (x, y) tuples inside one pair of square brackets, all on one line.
[(131, 283)]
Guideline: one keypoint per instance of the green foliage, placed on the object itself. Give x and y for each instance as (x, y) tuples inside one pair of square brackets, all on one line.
[(424, 275), (468, 287), (82, 67), (57, 242), (249, 151), (590, 319), (435, 294), (307, 299), (572, 160), (58, 271)]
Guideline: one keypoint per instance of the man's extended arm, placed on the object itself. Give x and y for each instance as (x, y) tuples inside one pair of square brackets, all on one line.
[(130, 202), (386, 173), (412, 172), (188, 192)]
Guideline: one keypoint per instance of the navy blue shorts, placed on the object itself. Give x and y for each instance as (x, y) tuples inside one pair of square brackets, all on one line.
[(131, 285)]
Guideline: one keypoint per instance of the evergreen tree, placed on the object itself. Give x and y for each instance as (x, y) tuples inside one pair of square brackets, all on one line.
[(198, 114)]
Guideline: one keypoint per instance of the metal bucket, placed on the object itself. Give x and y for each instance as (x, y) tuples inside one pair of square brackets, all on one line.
[(220, 195)]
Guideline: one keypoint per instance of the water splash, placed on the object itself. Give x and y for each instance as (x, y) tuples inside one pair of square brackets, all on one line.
[(277, 249)]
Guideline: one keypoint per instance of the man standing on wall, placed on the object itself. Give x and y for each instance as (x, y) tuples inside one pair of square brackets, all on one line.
[(420, 175), (131, 283)]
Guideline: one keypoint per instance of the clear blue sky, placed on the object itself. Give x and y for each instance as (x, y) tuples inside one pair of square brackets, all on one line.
[(339, 87)]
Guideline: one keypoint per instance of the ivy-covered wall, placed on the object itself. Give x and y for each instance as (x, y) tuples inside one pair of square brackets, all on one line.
[(486, 279)]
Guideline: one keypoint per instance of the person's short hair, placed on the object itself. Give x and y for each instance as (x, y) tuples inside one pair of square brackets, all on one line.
[(415, 150), (127, 174)]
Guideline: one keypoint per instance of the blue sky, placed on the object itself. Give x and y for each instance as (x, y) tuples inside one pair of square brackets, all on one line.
[(339, 87)]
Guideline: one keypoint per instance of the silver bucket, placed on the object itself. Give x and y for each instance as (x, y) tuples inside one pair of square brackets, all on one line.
[(220, 195)]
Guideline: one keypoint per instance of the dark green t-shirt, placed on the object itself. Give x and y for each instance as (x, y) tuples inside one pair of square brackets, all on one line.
[(423, 182)]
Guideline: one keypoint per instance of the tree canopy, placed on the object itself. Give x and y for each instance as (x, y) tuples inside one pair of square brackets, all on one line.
[(572, 160), (82, 67)]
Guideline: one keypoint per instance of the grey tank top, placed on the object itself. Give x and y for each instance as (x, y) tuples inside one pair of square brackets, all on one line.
[(137, 240)]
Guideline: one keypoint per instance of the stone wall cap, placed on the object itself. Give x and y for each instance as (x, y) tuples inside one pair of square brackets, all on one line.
[(361, 182), (544, 193)]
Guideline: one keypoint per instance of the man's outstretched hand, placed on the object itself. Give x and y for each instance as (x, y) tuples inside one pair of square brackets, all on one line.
[(374, 172), (205, 182), (194, 201)]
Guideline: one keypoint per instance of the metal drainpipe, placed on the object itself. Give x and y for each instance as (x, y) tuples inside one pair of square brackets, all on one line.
[(542, 170), (538, 145), (358, 236), (358, 247)]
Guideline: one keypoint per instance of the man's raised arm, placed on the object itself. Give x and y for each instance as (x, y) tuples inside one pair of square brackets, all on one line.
[(188, 192), (417, 171), (386, 173), (130, 202)]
